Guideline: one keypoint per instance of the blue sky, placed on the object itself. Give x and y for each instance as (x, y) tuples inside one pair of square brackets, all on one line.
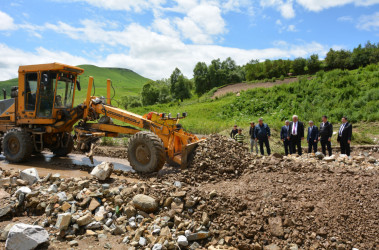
[(152, 37)]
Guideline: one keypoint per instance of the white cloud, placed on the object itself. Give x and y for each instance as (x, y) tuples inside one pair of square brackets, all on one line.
[(11, 59), (134, 5), (284, 7), (156, 57), (318, 5), (6, 22), (283, 27), (345, 19), (291, 28), (202, 24), (369, 22)]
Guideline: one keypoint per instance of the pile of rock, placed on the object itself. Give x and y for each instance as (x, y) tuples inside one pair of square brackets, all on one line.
[(220, 157), (156, 216)]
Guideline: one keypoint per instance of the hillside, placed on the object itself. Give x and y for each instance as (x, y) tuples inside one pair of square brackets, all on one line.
[(336, 93), (125, 81)]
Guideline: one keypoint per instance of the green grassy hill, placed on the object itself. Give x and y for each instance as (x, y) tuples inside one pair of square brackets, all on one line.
[(125, 82)]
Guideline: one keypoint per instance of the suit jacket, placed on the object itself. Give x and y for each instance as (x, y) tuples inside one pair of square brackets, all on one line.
[(300, 129), (326, 131), (346, 133), (252, 132), (312, 135), (284, 133)]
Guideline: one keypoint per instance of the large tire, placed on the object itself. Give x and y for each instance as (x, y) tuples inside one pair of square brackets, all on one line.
[(17, 145), (64, 151), (146, 152)]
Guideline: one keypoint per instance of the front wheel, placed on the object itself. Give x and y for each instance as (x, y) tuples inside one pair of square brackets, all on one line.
[(17, 145), (146, 152)]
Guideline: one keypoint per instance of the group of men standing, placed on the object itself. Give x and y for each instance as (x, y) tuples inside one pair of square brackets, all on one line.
[(292, 133)]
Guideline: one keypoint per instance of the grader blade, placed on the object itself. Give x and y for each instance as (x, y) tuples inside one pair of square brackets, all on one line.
[(187, 153)]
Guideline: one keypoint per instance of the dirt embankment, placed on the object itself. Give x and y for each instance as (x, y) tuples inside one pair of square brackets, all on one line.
[(235, 88)]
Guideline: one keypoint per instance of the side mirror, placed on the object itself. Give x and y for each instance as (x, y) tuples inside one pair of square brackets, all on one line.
[(78, 85), (5, 94)]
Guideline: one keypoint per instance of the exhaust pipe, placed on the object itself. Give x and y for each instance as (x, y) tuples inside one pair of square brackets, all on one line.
[(5, 94)]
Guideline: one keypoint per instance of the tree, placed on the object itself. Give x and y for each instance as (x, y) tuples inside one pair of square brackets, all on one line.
[(338, 59), (200, 74), (150, 93), (174, 78), (313, 64), (182, 88), (298, 66)]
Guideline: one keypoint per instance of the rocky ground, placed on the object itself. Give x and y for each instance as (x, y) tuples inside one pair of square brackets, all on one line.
[(226, 199)]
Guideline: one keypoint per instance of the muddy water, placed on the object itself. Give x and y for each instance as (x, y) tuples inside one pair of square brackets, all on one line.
[(47, 163)]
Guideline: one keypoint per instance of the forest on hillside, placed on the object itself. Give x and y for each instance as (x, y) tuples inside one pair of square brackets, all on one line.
[(220, 73)]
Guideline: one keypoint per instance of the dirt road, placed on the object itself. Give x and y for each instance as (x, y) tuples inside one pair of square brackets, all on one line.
[(235, 88), (74, 165)]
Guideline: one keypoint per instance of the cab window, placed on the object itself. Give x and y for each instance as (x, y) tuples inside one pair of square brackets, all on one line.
[(65, 91), (46, 93), (31, 81)]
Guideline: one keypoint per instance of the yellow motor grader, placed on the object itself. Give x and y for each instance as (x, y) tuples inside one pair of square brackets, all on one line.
[(41, 115)]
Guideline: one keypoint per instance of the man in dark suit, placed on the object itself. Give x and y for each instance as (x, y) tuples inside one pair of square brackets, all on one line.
[(344, 136), (284, 134), (296, 129), (325, 135), (312, 137), (262, 134)]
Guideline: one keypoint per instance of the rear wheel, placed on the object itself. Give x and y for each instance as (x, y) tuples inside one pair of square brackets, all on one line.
[(17, 145), (66, 148), (146, 152)]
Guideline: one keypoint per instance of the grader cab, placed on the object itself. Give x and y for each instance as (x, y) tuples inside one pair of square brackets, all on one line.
[(41, 115)]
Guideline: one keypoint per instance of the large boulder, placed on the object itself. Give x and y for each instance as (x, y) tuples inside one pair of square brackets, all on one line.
[(103, 170), (30, 175), (145, 203), (26, 237)]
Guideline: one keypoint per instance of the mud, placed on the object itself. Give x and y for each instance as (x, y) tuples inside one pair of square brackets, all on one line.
[(74, 165)]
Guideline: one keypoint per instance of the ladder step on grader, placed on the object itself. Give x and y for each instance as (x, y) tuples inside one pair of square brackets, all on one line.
[(41, 115)]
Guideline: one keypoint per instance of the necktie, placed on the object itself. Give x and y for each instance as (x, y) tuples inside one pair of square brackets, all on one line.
[(342, 126), (294, 128)]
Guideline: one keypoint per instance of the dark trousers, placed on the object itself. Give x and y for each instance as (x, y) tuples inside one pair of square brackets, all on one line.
[(325, 143), (311, 145), (345, 147), (296, 142), (265, 141), (287, 147)]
